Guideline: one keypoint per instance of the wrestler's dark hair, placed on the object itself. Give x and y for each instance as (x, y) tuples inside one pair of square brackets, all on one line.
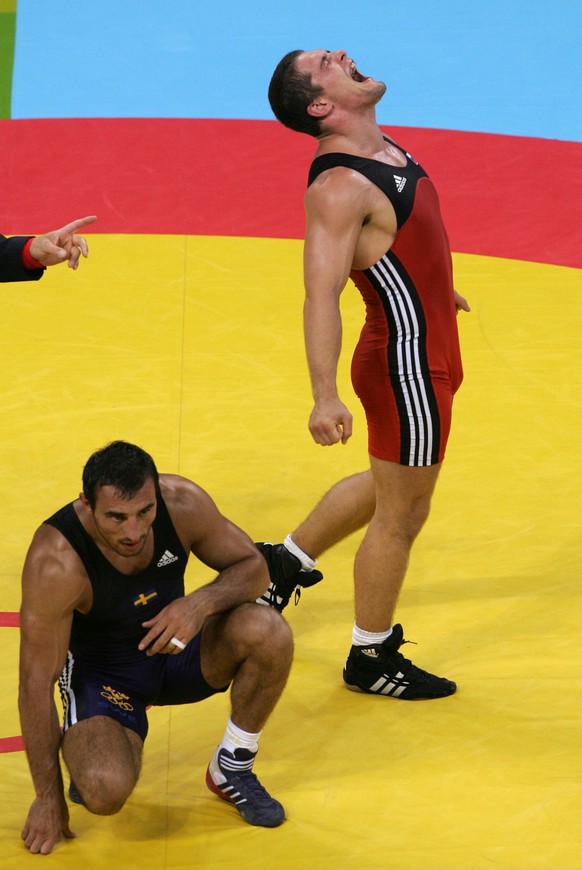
[(290, 93), (119, 464)]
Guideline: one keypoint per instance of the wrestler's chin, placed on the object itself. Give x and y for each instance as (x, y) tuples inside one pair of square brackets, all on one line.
[(378, 91), (130, 549)]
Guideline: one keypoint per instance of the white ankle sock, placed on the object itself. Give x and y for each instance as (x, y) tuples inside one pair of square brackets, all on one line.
[(307, 563), (367, 638), (236, 738)]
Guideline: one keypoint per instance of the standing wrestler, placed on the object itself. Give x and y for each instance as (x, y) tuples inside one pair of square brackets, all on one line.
[(104, 613), (372, 215)]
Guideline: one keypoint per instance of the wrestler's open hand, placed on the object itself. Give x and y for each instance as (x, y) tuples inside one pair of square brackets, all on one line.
[(47, 820), (179, 620), (330, 422)]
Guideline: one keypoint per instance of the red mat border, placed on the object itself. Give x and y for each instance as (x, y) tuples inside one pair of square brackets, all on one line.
[(503, 196), (9, 619)]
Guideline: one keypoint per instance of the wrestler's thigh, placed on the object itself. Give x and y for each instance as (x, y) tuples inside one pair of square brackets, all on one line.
[(101, 746), (230, 638)]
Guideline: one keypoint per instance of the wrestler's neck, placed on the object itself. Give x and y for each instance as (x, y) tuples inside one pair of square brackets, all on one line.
[(351, 134)]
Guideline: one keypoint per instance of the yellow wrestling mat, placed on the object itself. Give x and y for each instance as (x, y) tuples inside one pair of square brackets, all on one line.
[(192, 347)]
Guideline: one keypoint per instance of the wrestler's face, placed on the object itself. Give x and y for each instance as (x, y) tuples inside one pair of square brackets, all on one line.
[(124, 524), (339, 77)]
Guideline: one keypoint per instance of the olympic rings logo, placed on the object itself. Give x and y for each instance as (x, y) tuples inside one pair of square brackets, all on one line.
[(117, 698)]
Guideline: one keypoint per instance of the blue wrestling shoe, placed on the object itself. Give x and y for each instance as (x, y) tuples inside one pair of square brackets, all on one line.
[(379, 669), (230, 777), (287, 576), (74, 794)]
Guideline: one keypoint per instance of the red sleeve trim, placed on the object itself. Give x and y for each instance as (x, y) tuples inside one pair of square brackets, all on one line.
[(28, 261)]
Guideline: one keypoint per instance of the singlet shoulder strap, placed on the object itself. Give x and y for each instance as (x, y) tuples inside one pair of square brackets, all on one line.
[(375, 170), (329, 161), (164, 527), (69, 525)]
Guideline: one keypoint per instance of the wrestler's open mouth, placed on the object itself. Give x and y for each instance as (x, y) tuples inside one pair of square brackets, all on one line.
[(355, 75)]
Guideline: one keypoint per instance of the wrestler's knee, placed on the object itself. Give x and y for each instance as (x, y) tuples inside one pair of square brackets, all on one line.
[(265, 628), (418, 514), (104, 760), (404, 510), (403, 522), (255, 630), (104, 792)]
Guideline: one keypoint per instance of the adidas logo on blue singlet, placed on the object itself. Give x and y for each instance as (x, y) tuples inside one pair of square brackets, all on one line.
[(167, 559)]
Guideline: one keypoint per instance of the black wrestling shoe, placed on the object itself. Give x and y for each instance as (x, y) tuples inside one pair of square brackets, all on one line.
[(229, 775), (74, 794), (287, 576), (380, 669)]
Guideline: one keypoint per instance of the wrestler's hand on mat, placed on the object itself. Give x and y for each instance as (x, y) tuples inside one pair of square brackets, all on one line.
[(461, 303), (62, 244), (172, 628), (48, 819), (330, 422)]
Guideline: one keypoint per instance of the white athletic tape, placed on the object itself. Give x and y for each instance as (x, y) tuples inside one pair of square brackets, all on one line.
[(177, 643)]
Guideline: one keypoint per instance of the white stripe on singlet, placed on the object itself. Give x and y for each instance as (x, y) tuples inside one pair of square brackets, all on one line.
[(67, 694), (410, 375)]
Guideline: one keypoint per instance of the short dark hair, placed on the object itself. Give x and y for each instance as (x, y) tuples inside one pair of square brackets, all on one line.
[(120, 464), (290, 93)]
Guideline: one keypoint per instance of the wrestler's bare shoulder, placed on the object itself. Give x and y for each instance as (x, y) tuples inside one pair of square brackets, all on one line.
[(54, 569), (178, 491)]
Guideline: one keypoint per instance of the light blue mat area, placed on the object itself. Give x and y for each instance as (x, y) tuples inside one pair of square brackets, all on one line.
[(507, 66)]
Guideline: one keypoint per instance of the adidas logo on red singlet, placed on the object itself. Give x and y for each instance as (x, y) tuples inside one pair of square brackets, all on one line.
[(400, 182), (167, 559)]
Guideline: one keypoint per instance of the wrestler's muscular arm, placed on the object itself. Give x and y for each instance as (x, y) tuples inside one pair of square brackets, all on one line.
[(52, 586), (217, 542), (338, 205)]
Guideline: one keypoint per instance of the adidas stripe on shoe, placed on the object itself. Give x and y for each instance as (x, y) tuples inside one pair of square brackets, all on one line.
[(229, 775), (380, 669)]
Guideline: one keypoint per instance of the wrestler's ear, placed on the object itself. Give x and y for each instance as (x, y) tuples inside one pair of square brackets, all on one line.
[(319, 108), (85, 502)]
